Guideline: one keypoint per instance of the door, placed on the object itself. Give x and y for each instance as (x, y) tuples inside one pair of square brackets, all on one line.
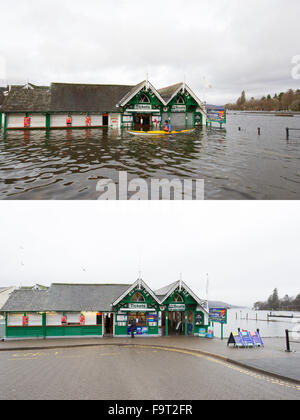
[(178, 120), (105, 120)]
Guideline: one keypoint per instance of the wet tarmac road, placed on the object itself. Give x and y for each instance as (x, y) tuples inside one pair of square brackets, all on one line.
[(132, 373)]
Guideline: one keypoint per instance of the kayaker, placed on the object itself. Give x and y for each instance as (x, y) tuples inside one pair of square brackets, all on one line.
[(168, 127)]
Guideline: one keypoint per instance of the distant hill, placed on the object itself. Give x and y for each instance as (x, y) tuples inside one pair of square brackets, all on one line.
[(218, 304)]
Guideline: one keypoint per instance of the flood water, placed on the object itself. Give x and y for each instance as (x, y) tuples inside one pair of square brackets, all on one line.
[(67, 164), (251, 320)]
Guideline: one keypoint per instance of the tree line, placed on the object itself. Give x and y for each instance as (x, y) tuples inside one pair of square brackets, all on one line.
[(274, 303), (284, 101)]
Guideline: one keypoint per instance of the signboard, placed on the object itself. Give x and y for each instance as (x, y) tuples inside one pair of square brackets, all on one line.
[(177, 307), (121, 318), (247, 339), (178, 108), (202, 332), (199, 319), (216, 113), (218, 315), (137, 306), (138, 331), (257, 340), (236, 339), (143, 107)]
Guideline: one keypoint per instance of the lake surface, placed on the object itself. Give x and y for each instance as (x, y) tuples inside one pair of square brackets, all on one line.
[(67, 164), (275, 327)]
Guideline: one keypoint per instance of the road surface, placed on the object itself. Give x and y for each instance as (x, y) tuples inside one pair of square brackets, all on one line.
[(132, 373)]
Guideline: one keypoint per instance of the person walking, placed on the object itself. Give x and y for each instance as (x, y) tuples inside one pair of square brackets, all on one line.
[(132, 327)]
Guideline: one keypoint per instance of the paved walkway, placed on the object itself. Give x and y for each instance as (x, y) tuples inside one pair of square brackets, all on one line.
[(271, 359)]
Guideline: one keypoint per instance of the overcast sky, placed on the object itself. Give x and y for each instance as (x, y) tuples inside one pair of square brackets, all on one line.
[(247, 248), (234, 44)]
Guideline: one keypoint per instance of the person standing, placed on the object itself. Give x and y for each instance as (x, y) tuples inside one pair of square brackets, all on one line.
[(132, 327)]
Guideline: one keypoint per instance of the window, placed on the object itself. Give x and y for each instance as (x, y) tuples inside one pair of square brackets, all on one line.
[(138, 297), (180, 101), (143, 99), (178, 298)]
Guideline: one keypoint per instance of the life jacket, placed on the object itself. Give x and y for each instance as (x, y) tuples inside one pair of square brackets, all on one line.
[(64, 320), (88, 121), (69, 120), (26, 122), (82, 320), (166, 128)]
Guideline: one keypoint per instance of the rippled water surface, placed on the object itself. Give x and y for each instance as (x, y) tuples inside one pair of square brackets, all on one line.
[(235, 164)]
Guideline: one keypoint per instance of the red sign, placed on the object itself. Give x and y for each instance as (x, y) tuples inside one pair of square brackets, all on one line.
[(25, 321)]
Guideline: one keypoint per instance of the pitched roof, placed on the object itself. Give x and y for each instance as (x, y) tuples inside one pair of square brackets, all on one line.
[(65, 297), (27, 100), (86, 98), (84, 297), (167, 92), (25, 300), (2, 97)]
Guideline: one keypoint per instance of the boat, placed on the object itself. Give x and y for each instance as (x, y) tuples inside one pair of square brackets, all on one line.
[(159, 132)]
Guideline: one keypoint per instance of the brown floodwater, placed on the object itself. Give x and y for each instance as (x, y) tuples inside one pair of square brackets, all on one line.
[(235, 164)]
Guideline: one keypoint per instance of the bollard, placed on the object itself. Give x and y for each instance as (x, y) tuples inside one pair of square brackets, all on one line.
[(258, 131), (239, 128), (288, 349), (287, 133)]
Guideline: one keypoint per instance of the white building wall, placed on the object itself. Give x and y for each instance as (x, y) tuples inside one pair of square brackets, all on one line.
[(96, 120), (57, 121), (78, 120), (15, 120), (37, 120)]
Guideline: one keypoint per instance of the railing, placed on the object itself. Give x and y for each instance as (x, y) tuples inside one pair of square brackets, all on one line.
[(288, 131), (288, 341)]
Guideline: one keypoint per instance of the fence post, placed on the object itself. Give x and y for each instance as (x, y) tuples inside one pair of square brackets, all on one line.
[(288, 349), (287, 133)]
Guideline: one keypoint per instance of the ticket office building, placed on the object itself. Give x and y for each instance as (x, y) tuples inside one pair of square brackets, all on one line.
[(71, 310), (64, 105)]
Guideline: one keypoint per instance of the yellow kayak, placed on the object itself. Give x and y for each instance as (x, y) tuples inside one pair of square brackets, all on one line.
[(159, 133)]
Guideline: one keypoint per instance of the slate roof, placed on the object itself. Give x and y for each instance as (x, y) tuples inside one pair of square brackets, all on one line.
[(72, 297), (167, 92), (21, 99), (86, 98), (25, 300), (65, 297), (161, 293), (2, 97)]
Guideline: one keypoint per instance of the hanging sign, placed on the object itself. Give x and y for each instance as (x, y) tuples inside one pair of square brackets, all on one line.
[(218, 315)]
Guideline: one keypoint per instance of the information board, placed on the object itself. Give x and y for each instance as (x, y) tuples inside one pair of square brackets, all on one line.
[(218, 315), (216, 113), (247, 339), (236, 339)]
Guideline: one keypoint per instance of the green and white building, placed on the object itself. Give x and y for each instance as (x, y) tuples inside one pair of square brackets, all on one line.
[(97, 310), (65, 105)]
